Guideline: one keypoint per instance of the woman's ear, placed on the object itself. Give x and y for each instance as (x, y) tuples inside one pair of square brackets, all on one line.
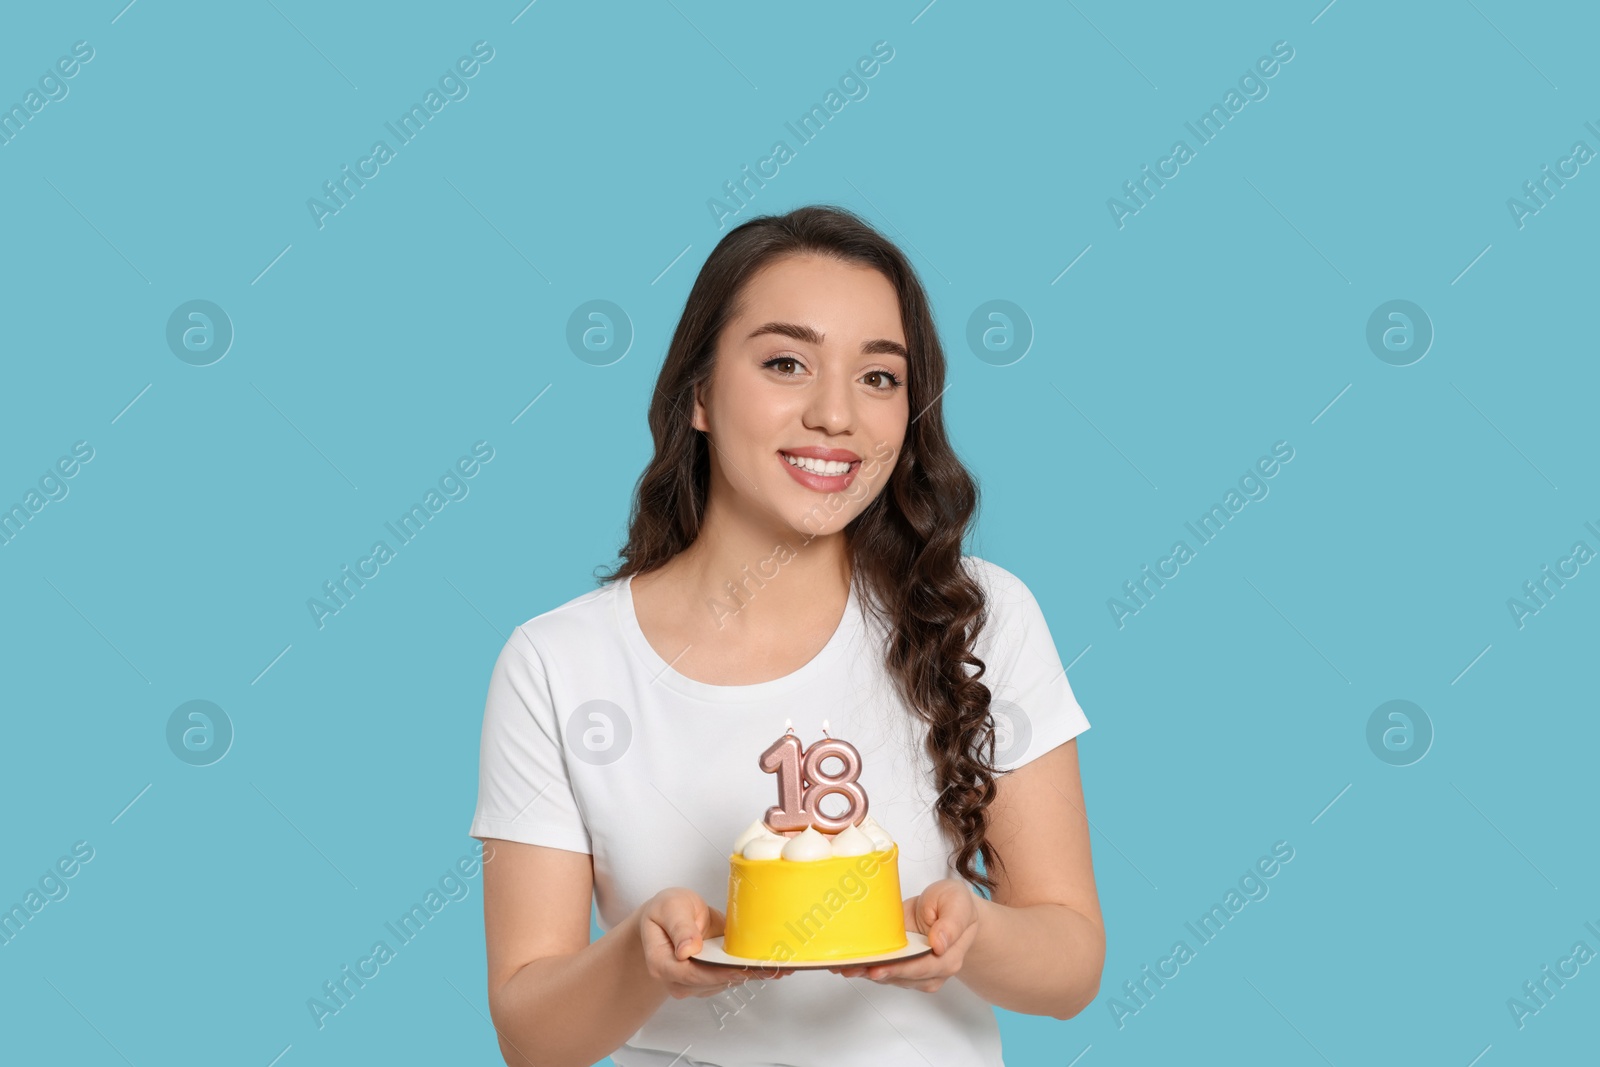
[(698, 420)]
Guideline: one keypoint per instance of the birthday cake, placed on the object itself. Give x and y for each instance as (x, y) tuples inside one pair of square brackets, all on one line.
[(809, 887)]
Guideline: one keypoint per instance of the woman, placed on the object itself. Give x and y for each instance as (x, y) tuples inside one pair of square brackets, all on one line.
[(794, 553)]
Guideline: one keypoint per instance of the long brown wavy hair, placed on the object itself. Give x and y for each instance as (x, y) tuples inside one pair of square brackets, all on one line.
[(904, 548)]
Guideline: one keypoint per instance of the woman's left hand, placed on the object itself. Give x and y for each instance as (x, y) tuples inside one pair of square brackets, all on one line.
[(947, 912)]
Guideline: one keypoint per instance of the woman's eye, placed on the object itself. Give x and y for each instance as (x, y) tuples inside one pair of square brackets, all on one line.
[(788, 367), (773, 362)]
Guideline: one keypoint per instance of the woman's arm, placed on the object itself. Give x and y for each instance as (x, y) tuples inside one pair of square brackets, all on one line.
[(1041, 943), (555, 997), (1039, 946)]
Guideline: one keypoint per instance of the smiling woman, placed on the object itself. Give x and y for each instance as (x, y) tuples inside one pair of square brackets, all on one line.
[(797, 423), (804, 395)]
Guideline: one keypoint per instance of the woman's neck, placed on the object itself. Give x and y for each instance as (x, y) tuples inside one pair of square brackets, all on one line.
[(760, 579)]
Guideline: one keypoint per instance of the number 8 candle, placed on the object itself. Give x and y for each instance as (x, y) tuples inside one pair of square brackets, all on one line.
[(799, 808)]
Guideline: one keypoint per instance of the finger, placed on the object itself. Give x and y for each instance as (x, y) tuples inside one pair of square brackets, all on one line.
[(712, 973), (684, 934), (922, 967)]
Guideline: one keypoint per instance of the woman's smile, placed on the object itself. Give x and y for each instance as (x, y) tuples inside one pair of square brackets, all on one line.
[(824, 470)]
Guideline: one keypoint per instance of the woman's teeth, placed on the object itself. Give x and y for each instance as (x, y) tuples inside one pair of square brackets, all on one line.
[(817, 466)]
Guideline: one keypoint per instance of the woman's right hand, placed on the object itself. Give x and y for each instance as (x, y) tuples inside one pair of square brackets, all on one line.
[(673, 925)]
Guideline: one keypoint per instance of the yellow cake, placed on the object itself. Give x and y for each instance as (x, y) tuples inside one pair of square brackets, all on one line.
[(811, 896)]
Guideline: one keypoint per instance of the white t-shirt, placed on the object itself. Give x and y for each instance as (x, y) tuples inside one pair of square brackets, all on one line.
[(593, 743)]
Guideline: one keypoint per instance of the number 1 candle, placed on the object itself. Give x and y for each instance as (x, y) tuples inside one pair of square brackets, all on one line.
[(802, 783)]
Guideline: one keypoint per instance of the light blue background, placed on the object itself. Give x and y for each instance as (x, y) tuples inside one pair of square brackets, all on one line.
[(1225, 316)]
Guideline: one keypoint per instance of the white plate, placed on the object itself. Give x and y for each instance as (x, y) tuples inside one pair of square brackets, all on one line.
[(712, 952)]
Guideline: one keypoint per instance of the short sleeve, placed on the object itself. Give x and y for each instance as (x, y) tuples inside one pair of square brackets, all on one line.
[(524, 791), (1030, 698)]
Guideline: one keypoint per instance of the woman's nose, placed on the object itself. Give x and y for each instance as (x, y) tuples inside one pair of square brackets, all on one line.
[(831, 405)]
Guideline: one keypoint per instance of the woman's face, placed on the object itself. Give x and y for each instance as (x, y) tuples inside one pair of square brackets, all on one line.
[(811, 370)]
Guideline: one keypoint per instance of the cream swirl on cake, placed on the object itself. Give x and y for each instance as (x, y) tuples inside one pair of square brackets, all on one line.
[(852, 842), (758, 842)]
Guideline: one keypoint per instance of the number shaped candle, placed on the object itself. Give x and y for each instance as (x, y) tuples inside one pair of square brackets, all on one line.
[(798, 807), (782, 758)]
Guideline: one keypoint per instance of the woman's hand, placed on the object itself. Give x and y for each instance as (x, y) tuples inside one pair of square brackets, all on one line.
[(948, 913), (673, 925)]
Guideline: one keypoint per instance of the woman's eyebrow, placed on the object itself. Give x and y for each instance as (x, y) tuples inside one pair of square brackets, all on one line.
[(876, 346)]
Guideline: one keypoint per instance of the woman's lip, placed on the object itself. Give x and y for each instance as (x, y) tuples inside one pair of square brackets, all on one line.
[(821, 483), (835, 455)]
